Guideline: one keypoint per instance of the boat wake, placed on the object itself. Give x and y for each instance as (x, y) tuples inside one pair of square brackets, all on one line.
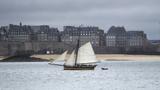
[(55, 64)]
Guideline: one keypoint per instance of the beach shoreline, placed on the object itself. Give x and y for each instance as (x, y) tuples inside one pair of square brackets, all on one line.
[(100, 57), (110, 57)]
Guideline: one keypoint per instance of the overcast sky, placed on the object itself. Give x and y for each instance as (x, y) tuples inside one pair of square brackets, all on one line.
[(133, 14)]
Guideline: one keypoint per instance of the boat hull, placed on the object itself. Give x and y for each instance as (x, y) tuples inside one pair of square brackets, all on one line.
[(104, 68), (80, 67)]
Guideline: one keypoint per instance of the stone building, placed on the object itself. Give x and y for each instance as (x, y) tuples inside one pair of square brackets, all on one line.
[(19, 33), (41, 38), (120, 41), (136, 38), (47, 34), (71, 34), (136, 41), (116, 38)]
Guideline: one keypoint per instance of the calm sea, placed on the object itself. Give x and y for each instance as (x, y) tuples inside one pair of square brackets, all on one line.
[(122, 75)]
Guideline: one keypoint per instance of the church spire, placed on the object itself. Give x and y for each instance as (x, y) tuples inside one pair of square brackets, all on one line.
[(20, 24)]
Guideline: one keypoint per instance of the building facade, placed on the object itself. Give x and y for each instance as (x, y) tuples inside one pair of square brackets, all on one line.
[(71, 34), (116, 37), (126, 41), (136, 41), (19, 33), (136, 38), (45, 33), (48, 34), (24, 33)]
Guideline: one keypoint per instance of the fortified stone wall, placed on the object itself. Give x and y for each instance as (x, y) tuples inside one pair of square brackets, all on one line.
[(14, 48), (20, 48), (3, 49)]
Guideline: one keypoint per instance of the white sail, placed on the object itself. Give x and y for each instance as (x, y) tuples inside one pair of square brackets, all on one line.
[(86, 54), (61, 57), (71, 60)]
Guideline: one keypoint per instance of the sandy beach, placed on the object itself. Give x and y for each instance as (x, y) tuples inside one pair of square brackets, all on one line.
[(111, 57)]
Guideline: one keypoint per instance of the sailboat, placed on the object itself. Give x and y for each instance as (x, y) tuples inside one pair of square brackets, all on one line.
[(83, 58), (59, 59)]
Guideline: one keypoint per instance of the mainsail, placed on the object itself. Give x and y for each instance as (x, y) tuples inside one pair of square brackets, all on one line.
[(61, 57), (71, 60), (86, 54)]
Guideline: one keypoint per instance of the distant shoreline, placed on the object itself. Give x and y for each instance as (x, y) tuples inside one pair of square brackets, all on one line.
[(23, 59), (100, 57), (126, 57), (111, 57)]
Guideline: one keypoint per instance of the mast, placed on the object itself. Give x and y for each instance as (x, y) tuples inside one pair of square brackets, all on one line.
[(77, 48)]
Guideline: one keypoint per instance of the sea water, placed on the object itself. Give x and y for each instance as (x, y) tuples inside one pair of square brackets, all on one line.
[(121, 75)]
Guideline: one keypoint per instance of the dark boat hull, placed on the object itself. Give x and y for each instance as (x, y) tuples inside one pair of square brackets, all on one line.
[(80, 67), (104, 68)]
